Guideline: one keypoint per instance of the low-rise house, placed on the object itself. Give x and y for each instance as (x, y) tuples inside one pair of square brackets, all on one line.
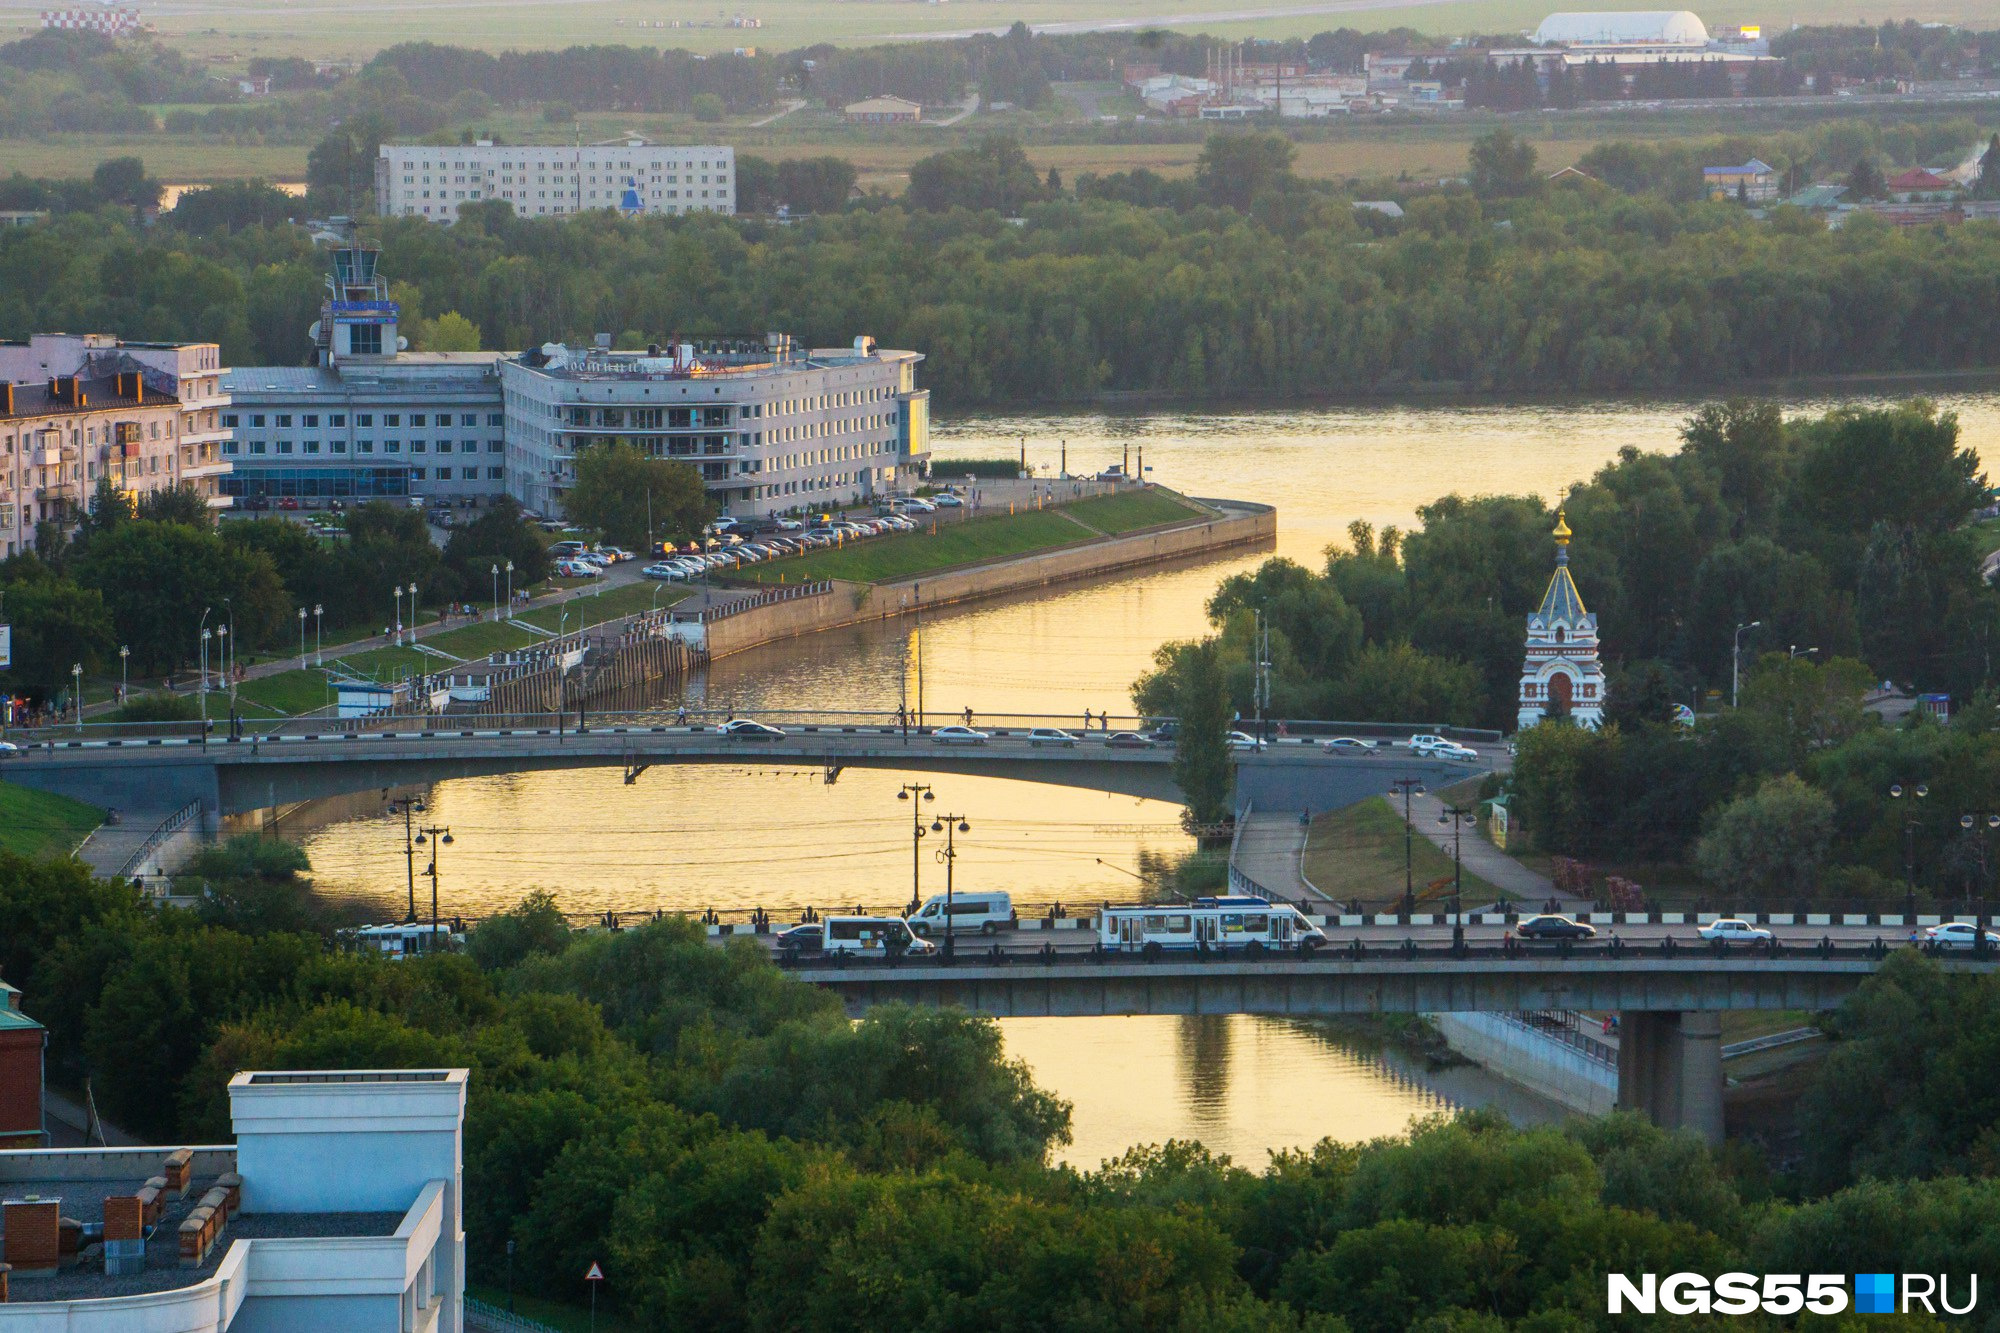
[(1754, 181), (1920, 184)]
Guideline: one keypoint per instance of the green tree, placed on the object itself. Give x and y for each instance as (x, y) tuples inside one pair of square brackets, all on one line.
[(1987, 184), (1203, 766), (500, 536), (1234, 169), (633, 499), (180, 503), (450, 332), (708, 107), (992, 174), (1865, 181), (158, 578), (1772, 843), (1398, 683), (1502, 166), (123, 180), (57, 625)]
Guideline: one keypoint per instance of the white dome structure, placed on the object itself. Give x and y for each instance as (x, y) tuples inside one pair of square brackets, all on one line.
[(1660, 27)]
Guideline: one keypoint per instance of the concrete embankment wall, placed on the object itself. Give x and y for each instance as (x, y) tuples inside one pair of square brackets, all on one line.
[(1240, 524), (1519, 1054)]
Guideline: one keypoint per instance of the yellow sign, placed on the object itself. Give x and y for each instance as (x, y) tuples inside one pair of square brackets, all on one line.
[(1752, 32), (1496, 826)]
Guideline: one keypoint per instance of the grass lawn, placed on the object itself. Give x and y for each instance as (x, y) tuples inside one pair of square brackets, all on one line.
[(482, 640), (880, 559), (1113, 514), (34, 823), (1358, 853), (627, 599), (388, 663), (568, 1318), (288, 692)]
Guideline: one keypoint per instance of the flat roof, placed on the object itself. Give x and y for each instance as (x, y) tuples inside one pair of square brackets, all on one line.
[(33, 399)]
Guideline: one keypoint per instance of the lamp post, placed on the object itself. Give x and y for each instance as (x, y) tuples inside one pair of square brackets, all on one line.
[(1910, 822), (222, 654), (302, 638), (510, 1277), (1408, 787), (436, 835), (1736, 659), (76, 688), (948, 825), (1458, 817), (396, 622), (205, 632), (1984, 822), (124, 673), (510, 589), (1796, 651), (496, 590), (407, 806), (319, 635), (908, 790)]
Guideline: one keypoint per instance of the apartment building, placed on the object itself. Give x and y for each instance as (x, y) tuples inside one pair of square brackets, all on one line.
[(630, 176), (770, 426), (79, 408)]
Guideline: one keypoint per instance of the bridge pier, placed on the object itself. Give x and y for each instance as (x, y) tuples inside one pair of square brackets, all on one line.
[(1670, 1068)]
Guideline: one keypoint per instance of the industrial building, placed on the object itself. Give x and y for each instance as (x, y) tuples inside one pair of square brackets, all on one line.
[(554, 180), (1648, 29), (76, 409), (340, 1206)]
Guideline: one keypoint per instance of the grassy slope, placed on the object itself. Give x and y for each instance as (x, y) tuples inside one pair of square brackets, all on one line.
[(34, 823), (1113, 514), (1358, 853), (613, 604), (880, 559)]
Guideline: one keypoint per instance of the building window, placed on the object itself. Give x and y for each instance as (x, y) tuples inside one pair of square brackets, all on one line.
[(417, 446), (496, 473), (256, 446), (469, 419), (444, 446), (284, 446), (416, 418), (312, 447), (493, 419), (231, 447), (392, 419), (312, 419), (496, 447), (364, 419), (444, 474), (229, 418), (284, 420), (392, 447), (337, 446), (364, 446), (417, 474), (257, 419), (337, 419)]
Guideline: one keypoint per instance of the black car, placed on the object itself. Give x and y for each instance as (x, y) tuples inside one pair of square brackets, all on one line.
[(801, 939), (1129, 740), (1553, 928)]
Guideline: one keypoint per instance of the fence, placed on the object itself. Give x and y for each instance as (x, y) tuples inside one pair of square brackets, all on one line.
[(751, 601), (1565, 1027), (169, 826), (479, 1314)]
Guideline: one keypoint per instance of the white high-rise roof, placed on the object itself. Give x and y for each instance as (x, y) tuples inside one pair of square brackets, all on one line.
[(1657, 27)]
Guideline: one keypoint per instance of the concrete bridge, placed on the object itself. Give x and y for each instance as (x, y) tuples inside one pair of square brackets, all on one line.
[(1670, 999), (232, 776)]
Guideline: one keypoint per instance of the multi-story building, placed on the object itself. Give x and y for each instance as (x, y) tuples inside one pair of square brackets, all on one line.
[(340, 1206), (368, 420), (76, 409), (771, 426), (554, 180)]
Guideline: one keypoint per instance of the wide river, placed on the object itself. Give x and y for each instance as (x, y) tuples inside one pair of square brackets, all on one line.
[(708, 836)]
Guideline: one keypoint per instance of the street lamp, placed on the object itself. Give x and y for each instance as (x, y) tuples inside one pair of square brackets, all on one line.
[(1735, 660), (1985, 822), (124, 674), (1408, 787), (949, 855), (302, 638), (396, 635), (916, 836), (76, 676), (319, 640), (1457, 816), (496, 590), (222, 655), (1797, 651), (437, 836), (206, 634), (406, 806), (510, 590), (1910, 822)]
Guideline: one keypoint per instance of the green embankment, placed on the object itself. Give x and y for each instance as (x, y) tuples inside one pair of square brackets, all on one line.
[(627, 599), (1358, 853), (968, 541), (34, 823), (1113, 514)]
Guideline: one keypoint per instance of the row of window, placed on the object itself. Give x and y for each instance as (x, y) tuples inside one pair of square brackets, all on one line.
[(310, 420), (363, 446)]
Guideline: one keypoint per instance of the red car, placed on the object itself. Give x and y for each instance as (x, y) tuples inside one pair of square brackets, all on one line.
[(288, 503)]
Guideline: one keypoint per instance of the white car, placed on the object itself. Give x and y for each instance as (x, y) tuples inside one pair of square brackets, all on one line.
[(1733, 928), (1425, 743), (788, 524), (1957, 935), (957, 735), (746, 729), (1242, 740), (663, 572), (1349, 745), (947, 500), (1452, 750), (577, 569), (1041, 736)]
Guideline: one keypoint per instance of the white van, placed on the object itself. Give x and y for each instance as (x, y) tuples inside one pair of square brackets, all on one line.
[(872, 935), (981, 913)]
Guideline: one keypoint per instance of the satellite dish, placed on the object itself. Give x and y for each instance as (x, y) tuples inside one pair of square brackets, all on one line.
[(313, 332), (402, 344)]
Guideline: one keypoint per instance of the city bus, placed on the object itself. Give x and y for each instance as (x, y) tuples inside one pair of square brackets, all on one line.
[(1248, 924)]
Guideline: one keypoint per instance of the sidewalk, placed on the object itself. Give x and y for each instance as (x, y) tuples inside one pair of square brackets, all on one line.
[(1482, 858), (1268, 850)]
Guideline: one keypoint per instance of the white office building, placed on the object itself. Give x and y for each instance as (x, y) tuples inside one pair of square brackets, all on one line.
[(771, 426), (555, 180), (339, 1207)]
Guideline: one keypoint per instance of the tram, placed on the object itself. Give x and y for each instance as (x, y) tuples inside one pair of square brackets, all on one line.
[(1249, 925)]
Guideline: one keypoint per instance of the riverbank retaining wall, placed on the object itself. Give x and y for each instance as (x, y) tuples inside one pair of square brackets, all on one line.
[(1518, 1053), (1237, 523)]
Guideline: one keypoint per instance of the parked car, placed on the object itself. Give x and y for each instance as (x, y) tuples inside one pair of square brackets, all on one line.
[(1957, 935), (578, 569), (746, 729), (800, 939), (946, 500), (663, 572), (1129, 740), (957, 735), (1733, 928), (1550, 927), (615, 553), (1350, 745), (983, 913), (1051, 736)]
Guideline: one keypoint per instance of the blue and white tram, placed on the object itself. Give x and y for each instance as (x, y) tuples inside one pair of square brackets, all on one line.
[(1252, 925)]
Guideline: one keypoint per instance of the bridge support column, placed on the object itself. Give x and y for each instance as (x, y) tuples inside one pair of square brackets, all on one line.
[(1670, 1068)]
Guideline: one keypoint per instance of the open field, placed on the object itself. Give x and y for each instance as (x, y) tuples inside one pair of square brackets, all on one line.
[(34, 823), (1358, 853), (354, 29)]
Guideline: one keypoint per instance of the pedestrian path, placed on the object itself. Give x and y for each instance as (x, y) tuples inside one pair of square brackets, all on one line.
[(1481, 857), (1268, 850)]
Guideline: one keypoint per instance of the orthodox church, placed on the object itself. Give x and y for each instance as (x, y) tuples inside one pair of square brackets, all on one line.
[(1561, 675)]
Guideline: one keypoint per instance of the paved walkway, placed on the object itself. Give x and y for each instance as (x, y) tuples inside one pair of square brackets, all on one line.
[(1268, 851), (1481, 857)]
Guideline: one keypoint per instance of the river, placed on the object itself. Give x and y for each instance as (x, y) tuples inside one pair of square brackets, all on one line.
[(700, 836)]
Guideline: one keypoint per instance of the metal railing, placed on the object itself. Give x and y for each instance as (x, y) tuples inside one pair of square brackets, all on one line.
[(1565, 1027), (169, 826), (482, 1314)]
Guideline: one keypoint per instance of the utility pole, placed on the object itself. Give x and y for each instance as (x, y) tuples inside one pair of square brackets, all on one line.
[(918, 592), (436, 835), (1408, 787), (948, 825), (909, 790), (1736, 660), (407, 806), (1458, 816)]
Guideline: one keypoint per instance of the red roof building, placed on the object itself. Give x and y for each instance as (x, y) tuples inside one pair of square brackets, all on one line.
[(1918, 180)]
